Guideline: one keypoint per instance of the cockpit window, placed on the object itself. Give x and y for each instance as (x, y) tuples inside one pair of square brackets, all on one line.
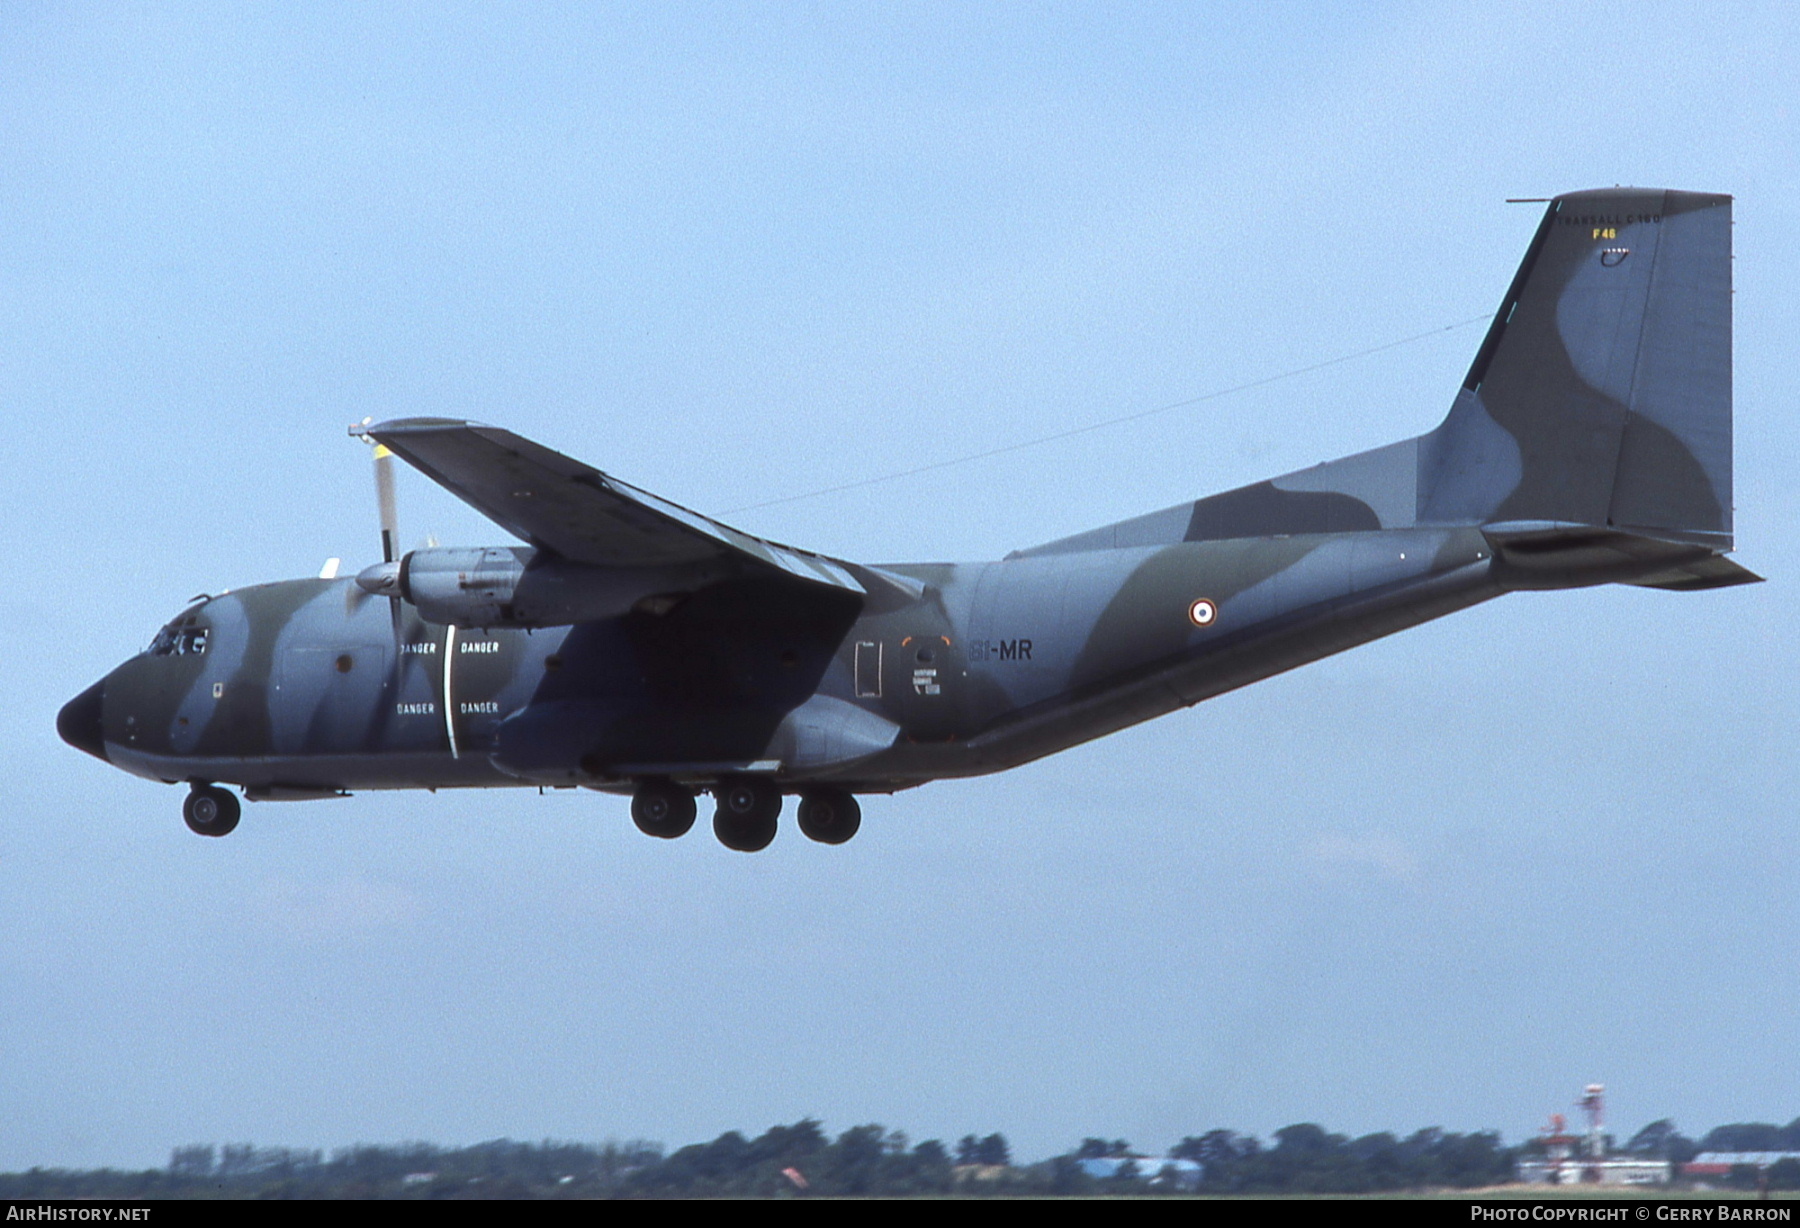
[(186, 636)]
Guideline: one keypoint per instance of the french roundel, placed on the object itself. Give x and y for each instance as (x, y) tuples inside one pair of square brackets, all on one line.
[(1203, 613)]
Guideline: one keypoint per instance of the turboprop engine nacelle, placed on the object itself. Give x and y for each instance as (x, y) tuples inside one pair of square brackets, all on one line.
[(517, 587)]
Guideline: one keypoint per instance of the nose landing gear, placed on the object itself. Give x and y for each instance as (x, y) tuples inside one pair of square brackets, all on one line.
[(210, 811)]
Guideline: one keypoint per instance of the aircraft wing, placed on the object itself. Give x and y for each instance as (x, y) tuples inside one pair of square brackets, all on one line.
[(574, 510)]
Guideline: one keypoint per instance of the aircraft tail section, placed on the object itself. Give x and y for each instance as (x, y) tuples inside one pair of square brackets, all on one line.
[(1591, 439), (1601, 395)]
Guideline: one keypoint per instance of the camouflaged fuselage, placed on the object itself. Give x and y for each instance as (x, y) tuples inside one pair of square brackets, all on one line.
[(996, 664)]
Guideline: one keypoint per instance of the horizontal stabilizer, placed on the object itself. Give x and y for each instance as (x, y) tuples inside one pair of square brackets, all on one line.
[(1544, 554), (1714, 572)]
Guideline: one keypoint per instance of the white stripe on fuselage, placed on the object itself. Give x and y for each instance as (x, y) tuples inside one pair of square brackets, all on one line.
[(449, 703)]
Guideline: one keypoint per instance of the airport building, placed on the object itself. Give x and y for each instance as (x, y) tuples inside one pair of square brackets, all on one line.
[(1569, 1159)]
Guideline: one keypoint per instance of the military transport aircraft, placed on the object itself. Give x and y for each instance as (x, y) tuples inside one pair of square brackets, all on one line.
[(638, 647)]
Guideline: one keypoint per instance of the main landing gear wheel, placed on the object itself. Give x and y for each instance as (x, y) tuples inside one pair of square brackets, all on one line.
[(745, 819), (663, 809), (210, 811), (830, 816)]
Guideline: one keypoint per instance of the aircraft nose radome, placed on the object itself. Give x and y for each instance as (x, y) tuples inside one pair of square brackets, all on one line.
[(79, 721)]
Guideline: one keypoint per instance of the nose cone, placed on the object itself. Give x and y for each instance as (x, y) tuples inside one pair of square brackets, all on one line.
[(79, 721)]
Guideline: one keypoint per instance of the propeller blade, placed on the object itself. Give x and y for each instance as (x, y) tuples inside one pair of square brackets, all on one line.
[(383, 579), (384, 499)]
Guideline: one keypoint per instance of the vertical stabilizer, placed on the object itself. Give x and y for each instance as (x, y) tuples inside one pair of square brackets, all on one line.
[(1591, 439), (1602, 393)]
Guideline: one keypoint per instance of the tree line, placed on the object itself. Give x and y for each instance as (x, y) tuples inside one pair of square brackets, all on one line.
[(801, 1160)]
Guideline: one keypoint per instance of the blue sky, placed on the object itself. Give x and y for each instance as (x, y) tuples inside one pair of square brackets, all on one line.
[(732, 253)]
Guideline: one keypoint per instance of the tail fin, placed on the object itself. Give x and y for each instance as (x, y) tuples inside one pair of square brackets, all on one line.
[(1602, 394), (1591, 441)]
